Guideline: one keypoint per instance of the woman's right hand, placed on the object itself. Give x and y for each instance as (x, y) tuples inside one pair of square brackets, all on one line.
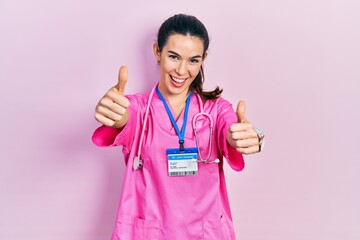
[(112, 108)]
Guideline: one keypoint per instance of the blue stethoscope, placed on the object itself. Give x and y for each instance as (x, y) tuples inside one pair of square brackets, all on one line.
[(138, 163)]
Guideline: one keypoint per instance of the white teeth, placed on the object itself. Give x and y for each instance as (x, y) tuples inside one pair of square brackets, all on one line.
[(177, 79)]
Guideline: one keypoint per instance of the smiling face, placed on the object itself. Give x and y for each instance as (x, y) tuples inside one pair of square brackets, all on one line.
[(180, 62)]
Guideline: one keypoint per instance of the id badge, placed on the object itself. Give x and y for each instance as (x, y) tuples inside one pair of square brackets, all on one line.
[(182, 163)]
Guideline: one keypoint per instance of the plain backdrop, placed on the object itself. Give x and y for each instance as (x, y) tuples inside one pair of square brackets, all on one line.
[(295, 63)]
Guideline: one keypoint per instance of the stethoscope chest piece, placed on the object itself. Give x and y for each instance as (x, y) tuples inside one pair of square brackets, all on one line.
[(138, 163)]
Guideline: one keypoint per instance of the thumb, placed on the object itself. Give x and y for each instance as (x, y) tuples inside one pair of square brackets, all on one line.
[(240, 111), (122, 79)]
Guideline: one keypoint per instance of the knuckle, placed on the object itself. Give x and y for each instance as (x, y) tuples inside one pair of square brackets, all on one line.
[(109, 95), (97, 116), (117, 117), (109, 92), (241, 150), (98, 109), (112, 89), (247, 151), (122, 111), (125, 103), (103, 101), (232, 128), (112, 93), (234, 136), (109, 123)]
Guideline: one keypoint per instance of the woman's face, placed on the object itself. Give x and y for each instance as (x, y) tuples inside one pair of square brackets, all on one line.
[(180, 62)]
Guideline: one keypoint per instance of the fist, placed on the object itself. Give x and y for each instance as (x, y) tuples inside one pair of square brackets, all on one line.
[(112, 107), (242, 135)]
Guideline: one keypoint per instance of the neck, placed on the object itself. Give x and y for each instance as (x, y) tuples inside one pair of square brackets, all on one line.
[(175, 100)]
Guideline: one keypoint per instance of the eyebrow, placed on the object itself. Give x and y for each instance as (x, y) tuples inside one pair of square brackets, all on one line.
[(175, 53)]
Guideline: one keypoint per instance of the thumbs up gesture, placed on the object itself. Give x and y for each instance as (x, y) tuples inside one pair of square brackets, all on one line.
[(242, 135), (112, 107)]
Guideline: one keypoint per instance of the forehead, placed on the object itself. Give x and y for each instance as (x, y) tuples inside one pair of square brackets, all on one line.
[(185, 44)]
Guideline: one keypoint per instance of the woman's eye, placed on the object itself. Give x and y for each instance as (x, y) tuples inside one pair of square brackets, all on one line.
[(173, 57), (194, 60)]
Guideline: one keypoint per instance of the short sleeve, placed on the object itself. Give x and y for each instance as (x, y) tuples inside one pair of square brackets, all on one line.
[(226, 116), (104, 136)]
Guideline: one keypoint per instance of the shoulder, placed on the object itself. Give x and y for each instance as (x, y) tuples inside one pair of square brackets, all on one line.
[(138, 100), (219, 105)]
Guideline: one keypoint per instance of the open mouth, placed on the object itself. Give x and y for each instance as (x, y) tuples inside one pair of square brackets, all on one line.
[(178, 80)]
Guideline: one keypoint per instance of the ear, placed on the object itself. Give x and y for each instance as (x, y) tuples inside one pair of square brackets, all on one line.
[(205, 56), (156, 51)]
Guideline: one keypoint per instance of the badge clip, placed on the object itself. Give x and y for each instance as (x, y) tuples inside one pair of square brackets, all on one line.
[(182, 148)]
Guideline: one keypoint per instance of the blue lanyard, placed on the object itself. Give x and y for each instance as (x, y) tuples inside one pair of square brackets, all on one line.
[(183, 129)]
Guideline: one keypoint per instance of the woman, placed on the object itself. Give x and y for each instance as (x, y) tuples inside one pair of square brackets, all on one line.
[(174, 185)]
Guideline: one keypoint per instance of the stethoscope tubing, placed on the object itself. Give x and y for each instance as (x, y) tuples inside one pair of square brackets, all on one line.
[(198, 115), (138, 163)]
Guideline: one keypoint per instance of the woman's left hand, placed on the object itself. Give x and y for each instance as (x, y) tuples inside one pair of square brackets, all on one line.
[(242, 135)]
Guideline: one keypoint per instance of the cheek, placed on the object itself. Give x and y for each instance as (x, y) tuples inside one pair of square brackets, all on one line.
[(194, 71), (167, 66)]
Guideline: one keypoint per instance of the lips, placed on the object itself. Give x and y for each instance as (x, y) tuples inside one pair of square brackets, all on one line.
[(178, 81)]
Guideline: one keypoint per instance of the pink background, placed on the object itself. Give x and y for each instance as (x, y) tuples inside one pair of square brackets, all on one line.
[(296, 63)]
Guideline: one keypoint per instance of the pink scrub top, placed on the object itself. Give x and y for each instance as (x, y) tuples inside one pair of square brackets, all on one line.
[(155, 206)]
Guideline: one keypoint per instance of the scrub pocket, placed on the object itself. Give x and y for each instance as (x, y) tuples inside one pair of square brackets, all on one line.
[(213, 229), (129, 227)]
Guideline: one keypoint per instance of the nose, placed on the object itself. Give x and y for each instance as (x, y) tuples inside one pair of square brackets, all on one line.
[(182, 68)]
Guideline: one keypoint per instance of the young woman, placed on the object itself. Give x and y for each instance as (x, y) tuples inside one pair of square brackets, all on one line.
[(175, 139)]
